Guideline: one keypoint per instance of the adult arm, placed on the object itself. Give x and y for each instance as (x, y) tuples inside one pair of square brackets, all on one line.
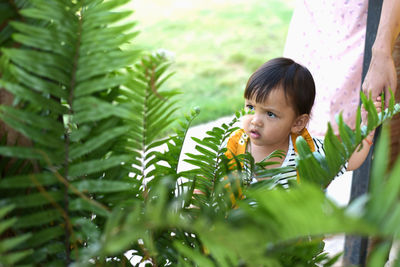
[(381, 74)]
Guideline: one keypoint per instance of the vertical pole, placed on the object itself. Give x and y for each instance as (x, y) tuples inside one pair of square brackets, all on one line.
[(355, 247)]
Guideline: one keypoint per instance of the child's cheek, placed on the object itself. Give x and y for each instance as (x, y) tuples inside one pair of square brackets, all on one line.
[(246, 121)]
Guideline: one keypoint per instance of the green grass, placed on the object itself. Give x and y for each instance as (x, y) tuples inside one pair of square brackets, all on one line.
[(215, 46)]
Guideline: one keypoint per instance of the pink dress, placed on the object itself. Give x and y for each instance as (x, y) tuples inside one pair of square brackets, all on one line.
[(327, 37)]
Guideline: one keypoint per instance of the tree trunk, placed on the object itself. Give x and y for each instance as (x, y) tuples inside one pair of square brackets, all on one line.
[(13, 137), (395, 122)]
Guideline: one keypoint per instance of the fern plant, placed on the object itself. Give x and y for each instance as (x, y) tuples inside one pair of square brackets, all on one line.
[(71, 79), (322, 170), (166, 162), (210, 164), (8, 243), (9, 11), (97, 180), (269, 227), (151, 111), (288, 248)]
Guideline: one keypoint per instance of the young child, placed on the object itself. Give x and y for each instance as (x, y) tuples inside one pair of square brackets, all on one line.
[(281, 95)]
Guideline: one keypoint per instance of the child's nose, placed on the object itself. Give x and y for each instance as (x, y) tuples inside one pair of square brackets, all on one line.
[(256, 120)]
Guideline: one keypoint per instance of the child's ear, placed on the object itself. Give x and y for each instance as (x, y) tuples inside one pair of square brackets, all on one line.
[(300, 123)]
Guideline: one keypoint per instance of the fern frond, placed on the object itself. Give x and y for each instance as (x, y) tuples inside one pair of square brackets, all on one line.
[(258, 232), (209, 161), (166, 163), (380, 207), (9, 256), (9, 11), (65, 84), (151, 111), (321, 170), (385, 188)]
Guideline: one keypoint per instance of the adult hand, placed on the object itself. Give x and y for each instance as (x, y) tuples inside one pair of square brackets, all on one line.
[(381, 76)]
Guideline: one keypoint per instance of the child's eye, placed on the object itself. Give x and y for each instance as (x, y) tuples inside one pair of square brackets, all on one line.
[(271, 114), (250, 107)]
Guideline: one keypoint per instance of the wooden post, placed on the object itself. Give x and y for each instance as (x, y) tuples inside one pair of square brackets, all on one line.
[(355, 247), (395, 122)]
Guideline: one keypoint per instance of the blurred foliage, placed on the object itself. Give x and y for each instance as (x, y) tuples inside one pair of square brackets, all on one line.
[(96, 182)]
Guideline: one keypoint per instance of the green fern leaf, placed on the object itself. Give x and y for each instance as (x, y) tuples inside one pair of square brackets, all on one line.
[(66, 84), (336, 152), (33, 200), (99, 186), (29, 180)]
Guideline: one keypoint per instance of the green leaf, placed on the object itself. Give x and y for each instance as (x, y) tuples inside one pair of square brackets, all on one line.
[(14, 257), (334, 151), (47, 36), (308, 166), (92, 144), (94, 19), (381, 159), (33, 97), (379, 255), (34, 120), (372, 113), (346, 135), (42, 44), (102, 186), (206, 144), (202, 165), (100, 63), (48, 250), (391, 221), (37, 83), (358, 123), (106, 39), (5, 33), (5, 210), (35, 199), (380, 207), (90, 109), (49, 216), (104, 34), (197, 257), (87, 227), (29, 180), (109, 5), (39, 238), (45, 139), (96, 166), (206, 152), (6, 224), (80, 204), (274, 171), (40, 63), (48, 14), (157, 143), (98, 84)]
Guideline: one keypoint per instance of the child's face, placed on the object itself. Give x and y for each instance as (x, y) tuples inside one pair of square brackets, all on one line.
[(272, 121)]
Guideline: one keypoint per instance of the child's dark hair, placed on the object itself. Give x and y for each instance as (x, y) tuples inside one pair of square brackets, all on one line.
[(295, 79)]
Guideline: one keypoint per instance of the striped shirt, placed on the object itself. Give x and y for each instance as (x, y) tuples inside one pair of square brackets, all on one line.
[(283, 178)]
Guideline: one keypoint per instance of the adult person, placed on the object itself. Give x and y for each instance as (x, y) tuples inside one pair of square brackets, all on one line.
[(328, 37), (381, 73)]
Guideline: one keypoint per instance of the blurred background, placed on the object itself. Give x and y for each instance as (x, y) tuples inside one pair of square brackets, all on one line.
[(214, 45)]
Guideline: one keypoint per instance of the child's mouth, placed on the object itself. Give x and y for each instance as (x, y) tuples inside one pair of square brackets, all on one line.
[(254, 134)]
